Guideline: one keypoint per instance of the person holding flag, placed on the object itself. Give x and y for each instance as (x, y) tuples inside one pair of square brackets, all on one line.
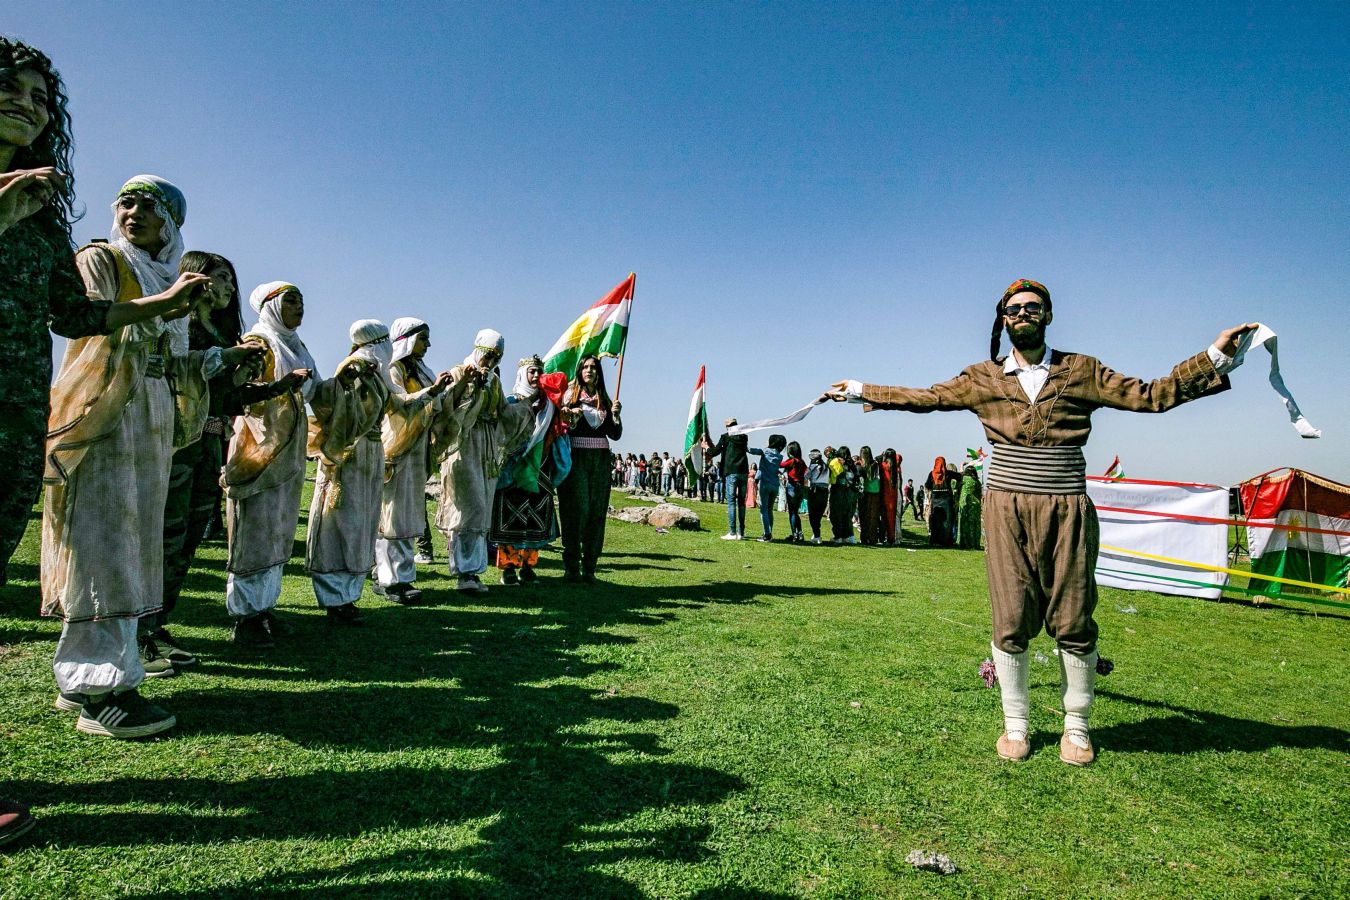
[(593, 419), (583, 496), (696, 432), (1041, 529)]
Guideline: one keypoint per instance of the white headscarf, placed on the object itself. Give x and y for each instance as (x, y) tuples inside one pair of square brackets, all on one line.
[(291, 352), (522, 387), (404, 334), (486, 341), (370, 337), (527, 395), (156, 273)]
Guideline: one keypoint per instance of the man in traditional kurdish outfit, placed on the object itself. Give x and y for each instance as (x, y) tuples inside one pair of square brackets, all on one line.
[(265, 470), (472, 461), (524, 517), (344, 513), (1041, 529), (120, 405), (403, 509)]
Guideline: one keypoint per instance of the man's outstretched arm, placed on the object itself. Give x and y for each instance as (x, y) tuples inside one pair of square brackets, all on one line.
[(1200, 376), (944, 396)]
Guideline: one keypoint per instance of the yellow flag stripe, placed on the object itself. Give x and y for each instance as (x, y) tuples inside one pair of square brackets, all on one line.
[(1238, 572)]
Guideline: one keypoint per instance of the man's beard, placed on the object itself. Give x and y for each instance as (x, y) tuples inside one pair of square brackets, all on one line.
[(1029, 338)]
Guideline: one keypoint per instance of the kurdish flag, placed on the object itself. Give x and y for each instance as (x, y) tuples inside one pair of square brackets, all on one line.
[(697, 429), (1115, 470), (976, 457), (1310, 540), (601, 330)]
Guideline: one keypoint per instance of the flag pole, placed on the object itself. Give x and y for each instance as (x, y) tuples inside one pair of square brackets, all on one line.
[(618, 379)]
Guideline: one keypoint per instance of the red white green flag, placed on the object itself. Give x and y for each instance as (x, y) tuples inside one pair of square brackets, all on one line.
[(602, 331), (1310, 537), (697, 429), (1115, 470)]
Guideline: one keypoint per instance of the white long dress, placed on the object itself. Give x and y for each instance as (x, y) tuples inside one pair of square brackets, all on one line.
[(103, 519)]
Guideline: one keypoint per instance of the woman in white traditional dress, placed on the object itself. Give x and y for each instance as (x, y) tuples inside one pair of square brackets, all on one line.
[(346, 436), (473, 458), (120, 405), (403, 509), (265, 470)]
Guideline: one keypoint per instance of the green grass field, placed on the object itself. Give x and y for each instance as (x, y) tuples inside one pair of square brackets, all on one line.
[(716, 720)]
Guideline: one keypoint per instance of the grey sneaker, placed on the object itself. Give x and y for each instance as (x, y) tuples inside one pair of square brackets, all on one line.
[(69, 701), (156, 662), (175, 651), (424, 558), (471, 584), (125, 715)]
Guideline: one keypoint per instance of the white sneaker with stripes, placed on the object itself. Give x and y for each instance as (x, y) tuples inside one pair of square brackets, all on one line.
[(124, 715)]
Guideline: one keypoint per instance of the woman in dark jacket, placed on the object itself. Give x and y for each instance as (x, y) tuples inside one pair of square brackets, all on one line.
[(583, 497)]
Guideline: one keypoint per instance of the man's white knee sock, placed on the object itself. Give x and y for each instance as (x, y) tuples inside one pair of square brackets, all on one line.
[(1078, 674), (1013, 677)]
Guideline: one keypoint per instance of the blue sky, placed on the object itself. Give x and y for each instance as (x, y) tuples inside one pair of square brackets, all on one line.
[(807, 192)]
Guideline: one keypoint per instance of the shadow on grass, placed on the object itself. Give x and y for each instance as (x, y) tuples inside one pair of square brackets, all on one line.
[(1190, 731), (659, 557), (403, 874), (549, 780), (1283, 607)]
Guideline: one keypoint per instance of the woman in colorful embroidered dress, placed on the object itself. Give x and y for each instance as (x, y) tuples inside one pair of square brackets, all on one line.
[(523, 514)]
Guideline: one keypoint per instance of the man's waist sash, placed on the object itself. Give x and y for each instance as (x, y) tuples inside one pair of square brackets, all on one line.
[(1037, 470)]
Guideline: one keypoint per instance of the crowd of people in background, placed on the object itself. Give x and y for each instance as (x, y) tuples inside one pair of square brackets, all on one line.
[(862, 497)]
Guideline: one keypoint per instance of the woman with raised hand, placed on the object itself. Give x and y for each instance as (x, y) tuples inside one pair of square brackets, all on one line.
[(40, 289), (583, 497), (121, 404), (968, 510)]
